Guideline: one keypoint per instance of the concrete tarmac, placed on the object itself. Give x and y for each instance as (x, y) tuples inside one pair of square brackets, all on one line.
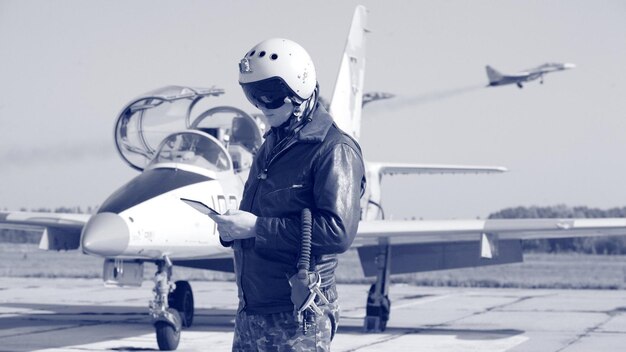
[(81, 315)]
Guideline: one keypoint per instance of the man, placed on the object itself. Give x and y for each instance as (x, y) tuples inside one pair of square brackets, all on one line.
[(305, 162)]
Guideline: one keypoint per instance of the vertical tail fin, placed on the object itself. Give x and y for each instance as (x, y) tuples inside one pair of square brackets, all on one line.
[(346, 103), (492, 74)]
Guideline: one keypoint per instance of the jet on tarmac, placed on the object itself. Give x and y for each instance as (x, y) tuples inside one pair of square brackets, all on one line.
[(186, 145), (498, 79)]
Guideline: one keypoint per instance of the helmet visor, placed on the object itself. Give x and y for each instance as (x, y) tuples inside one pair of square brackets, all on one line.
[(269, 93)]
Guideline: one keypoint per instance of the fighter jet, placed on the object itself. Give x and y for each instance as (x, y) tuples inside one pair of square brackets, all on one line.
[(185, 144), (498, 79)]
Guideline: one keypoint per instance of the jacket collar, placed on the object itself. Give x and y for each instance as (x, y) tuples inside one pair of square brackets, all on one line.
[(315, 131)]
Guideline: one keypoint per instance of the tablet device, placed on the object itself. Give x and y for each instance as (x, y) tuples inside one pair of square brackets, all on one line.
[(199, 206)]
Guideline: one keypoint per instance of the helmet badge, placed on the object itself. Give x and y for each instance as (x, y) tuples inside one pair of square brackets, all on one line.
[(244, 66)]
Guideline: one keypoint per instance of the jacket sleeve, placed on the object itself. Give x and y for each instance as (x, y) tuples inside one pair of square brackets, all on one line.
[(338, 186)]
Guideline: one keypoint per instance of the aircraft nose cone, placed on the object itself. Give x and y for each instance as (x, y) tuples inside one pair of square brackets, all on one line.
[(568, 65), (105, 234)]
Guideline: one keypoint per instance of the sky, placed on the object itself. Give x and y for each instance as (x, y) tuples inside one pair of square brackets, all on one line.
[(67, 68)]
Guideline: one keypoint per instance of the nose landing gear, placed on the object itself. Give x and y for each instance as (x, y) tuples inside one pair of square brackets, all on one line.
[(168, 327), (172, 307)]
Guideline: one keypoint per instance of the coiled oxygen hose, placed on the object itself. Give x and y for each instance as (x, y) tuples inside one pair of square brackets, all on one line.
[(304, 263)]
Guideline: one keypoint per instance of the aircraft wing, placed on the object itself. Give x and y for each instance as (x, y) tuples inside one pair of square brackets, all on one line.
[(405, 169), (428, 245), (60, 230), (428, 231)]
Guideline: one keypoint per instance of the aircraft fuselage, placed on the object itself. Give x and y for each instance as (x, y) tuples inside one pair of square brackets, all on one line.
[(142, 219), (498, 79)]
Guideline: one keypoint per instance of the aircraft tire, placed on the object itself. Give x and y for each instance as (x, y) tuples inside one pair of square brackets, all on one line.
[(181, 299), (167, 336), (376, 316), (370, 324)]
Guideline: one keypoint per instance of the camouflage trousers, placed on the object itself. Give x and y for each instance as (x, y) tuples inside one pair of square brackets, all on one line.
[(280, 332)]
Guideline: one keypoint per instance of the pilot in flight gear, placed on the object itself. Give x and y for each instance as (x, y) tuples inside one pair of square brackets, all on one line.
[(306, 161)]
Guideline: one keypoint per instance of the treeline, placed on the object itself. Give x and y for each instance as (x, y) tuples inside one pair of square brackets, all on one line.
[(33, 236), (70, 210), (590, 245)]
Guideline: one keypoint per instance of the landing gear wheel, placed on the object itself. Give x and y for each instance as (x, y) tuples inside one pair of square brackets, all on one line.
[(370, 323), (167, 336), (181, 299), (377, 316)]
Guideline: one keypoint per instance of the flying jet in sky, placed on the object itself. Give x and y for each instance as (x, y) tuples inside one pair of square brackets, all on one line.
[(185, 144), (499, 79)]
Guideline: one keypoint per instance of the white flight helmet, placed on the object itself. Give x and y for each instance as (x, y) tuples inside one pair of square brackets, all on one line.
[(275, 69)]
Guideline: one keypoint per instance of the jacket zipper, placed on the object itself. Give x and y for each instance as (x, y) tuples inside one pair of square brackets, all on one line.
[(280, 152), (263, 174), (260, 177)]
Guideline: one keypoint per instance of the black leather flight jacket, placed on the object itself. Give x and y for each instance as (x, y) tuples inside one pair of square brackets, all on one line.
[(320, 168)]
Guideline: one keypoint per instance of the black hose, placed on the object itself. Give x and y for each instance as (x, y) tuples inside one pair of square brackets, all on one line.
[(304, 262)]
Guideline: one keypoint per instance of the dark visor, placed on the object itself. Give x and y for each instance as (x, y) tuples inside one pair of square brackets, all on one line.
[(269, 93)]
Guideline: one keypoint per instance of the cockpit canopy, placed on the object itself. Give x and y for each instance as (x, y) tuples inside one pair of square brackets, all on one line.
[(240, 133), (153, 117), (193, 148)]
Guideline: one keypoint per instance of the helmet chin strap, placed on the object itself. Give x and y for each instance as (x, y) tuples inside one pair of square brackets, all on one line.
[(294, 121), (306, 108), (301, 111)]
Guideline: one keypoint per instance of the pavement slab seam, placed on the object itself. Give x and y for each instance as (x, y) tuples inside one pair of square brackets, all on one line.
[(504, 305), (384, 340), (587, 332), (611, 312), (53, 329), (485, 311)]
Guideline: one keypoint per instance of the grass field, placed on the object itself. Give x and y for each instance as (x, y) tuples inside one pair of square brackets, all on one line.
[(576, 271)]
